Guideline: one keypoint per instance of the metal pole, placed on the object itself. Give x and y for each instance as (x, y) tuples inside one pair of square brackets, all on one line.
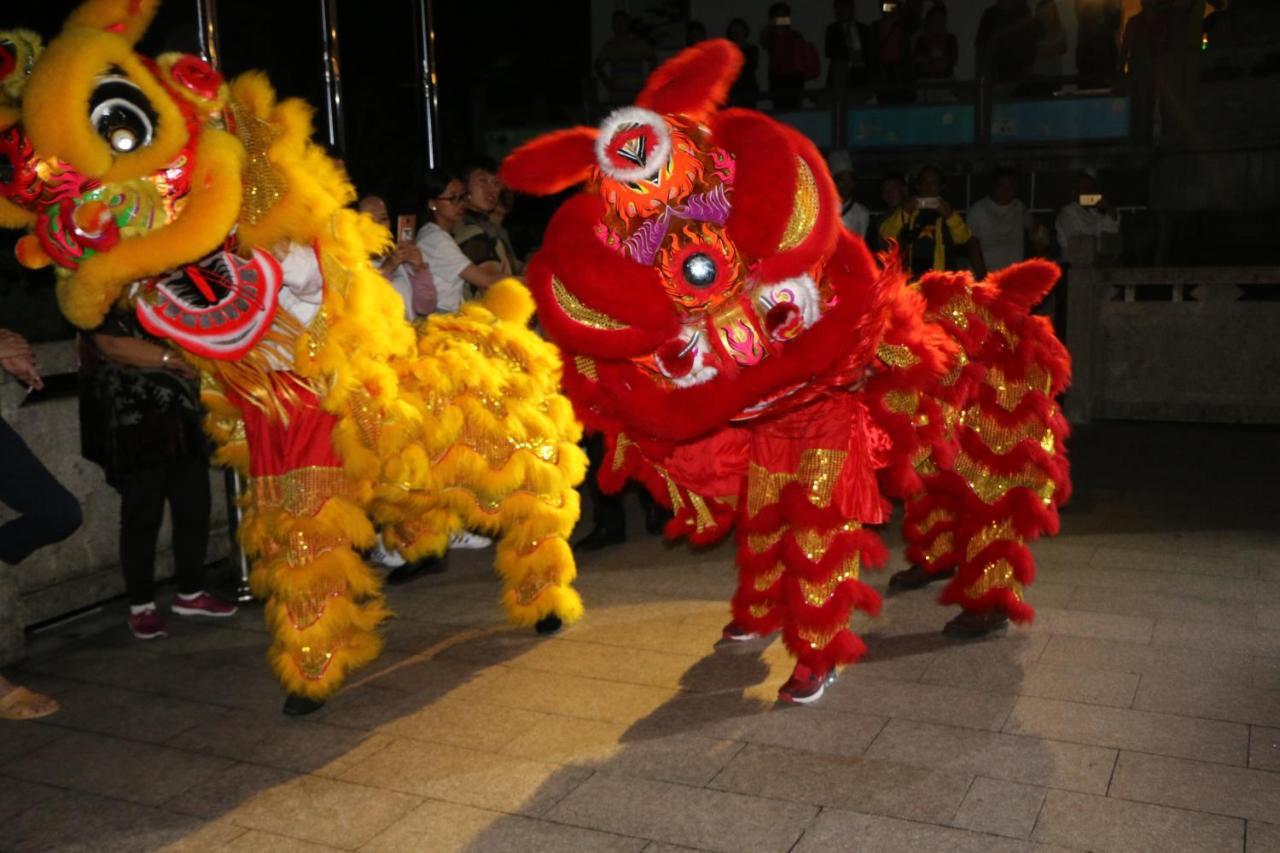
[(426, 50), (332, 75), (235, 488), (207, 21)]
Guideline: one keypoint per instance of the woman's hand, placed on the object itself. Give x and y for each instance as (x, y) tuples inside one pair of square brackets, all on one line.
[(13, 345)]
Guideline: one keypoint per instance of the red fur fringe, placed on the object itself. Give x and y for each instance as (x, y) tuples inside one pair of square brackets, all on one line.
[(551, 163), (695, 81)]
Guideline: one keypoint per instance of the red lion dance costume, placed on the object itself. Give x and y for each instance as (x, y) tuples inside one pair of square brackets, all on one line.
[(751, 365)]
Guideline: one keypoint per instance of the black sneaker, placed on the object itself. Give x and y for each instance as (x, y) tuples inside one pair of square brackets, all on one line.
[(548, 624), (598, 539), (917, 577), (971, 626), (297, 705)]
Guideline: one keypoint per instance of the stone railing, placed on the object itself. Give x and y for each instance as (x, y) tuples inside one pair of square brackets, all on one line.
[(85, 569), (1195, 344)]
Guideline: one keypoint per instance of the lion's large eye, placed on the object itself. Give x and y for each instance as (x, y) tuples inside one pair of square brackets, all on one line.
[(122, 115)]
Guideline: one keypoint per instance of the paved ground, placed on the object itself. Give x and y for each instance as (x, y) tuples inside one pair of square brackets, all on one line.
[(1140, 712)]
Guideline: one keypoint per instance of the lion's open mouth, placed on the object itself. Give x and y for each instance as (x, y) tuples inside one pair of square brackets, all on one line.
[(219, 308)]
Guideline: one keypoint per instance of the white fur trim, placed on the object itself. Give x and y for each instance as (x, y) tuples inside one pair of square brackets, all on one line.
[(657, 157)]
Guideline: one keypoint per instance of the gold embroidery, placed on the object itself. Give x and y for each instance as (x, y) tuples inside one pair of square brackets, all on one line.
[(534, 585), (818, 640), (818, 471), (758, 543), (804, 212), (941, 545), (302, 491), (587, 367), (263, 183), (368, 420), (902, 402), (956, 369), (760, 611), (933, 518), (305, 609), (765, 580), (313, 662), (701, 512), (1000, 438), (620, 450), (580, 313), (896, 355), (302, 548), (993, 532), (818, 593), (991, 487), (998, 575)]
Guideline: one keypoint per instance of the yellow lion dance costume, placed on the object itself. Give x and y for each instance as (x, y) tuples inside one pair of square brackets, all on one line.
[(206, 206)]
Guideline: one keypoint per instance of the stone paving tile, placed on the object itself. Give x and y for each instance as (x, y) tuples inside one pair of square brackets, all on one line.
[(697, 817), (1162, 734), (1029, 677), (1103, 626), (255, 841), (1157, 605), (1264, 749), (843, 733), (605, 662), (213, 835), (129, 714), (16, 797), (466, 776), (1000, 808), (308, 808), (1107, 825), (877, 787), (684, 758), (926, 703), (451, 828), (20, 737), (1197, 786), (463, 722), (1209, 700), (588, 698), (1239, 638), (845, 830), (1160, 560), (1242, 590), (73, 820), (1262, 837), (137, 772), (1149, 660), (1002, 756)]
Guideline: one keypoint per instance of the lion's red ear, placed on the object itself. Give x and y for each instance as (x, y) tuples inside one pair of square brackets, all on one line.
[(695, 82), (551, 163)]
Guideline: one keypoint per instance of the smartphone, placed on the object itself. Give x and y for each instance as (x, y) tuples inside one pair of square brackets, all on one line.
[(406, 227), (889, 7), (1090, 199), (782, 22), (928, 202)]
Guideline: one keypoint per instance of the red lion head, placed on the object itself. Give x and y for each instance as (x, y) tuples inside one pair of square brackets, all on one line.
[(702, 276)]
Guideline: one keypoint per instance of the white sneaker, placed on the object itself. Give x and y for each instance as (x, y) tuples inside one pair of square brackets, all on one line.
[(468, 541), (383, 556)]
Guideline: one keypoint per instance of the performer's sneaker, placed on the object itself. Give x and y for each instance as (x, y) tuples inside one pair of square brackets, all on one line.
[(917, 577), (468, 541), (805, 685), (971, 626), (148, 625), (735, 633), (383, 556), (548, 624), (297, 705), (202, 604)]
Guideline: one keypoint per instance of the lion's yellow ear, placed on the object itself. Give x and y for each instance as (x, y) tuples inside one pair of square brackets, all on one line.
[(128, 19)]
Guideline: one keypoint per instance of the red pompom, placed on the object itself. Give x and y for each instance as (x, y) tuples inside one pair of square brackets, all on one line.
[(197, 76), (675, 357), (784, 321)]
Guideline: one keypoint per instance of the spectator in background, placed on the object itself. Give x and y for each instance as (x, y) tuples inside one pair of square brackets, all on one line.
[(624, 62), (1006, 41), (142, 421), (451, 270), (854, 216), (847, 45), (1087, 215), (1051, 44), (694, 32), (891, 56), (1001, 223), (48, 513), (930, 233), (480, 238), (1143, 56), (936, 53), (793, 61), (1097, 41), (747, 87), (402, 265), (893, 195)]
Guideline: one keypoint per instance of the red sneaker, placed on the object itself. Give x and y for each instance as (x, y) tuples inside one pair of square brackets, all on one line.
[(735, 633), (805, 685), (202, 604), (148, 625)]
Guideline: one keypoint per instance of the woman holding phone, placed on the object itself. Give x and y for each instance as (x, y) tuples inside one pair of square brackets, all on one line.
[(450, 268)]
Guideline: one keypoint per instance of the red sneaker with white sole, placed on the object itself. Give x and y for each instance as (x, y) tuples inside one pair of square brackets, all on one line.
[(202, 604), (805, 685), (148, 625), (735, 633)]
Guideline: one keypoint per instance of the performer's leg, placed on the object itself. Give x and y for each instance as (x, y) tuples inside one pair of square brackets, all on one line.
[(608, 513), (928, 529), (757, 606), (537, 568)]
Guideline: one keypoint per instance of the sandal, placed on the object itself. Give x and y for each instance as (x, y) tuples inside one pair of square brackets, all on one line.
[(23, 704)]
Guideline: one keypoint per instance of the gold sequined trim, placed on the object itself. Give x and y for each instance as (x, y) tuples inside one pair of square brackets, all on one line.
[(764, 581), (701, 512), (534, 585), (368, 420), (818, 471), (263, 183), (302, 548), (1000, 438), (991, 487), (760, 611), (620, 451), (306, 609), (896, 355), (993, 532), (818, 593), (758, 543), (902, 402), (817, 639), (302, 491), (804, 211), (940, 546), (580, 313), (313, 661), (998, 575), (956, 369), (587, 367), (933, 518)]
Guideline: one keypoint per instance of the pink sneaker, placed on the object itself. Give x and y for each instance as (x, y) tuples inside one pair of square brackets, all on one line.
[(805, 685), (202, 604), (148, 625)]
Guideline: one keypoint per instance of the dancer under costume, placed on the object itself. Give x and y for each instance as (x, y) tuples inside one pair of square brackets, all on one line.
[(750, 362), (205, 206)]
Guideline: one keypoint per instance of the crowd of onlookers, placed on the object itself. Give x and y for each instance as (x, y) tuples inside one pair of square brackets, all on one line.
[(906, 44)]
